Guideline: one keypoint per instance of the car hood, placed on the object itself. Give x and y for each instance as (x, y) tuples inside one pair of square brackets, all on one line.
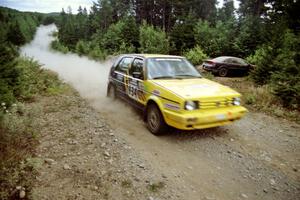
[(196, 88)]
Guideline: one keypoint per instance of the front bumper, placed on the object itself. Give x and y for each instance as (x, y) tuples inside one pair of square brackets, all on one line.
[(205, 118)]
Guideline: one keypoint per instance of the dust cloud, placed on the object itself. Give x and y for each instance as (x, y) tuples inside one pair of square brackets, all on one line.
[(88, 77)]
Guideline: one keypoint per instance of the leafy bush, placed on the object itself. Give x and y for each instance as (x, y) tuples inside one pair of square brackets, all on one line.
[(182, 35), (82, 48), (286, 80), (97, 53), (8, 73), (121, 37), (195, 55), (278, 64), (49, 20), (124, 48), (263, 59), (250, 99), (56, 45), (215, 40), (153, 40)]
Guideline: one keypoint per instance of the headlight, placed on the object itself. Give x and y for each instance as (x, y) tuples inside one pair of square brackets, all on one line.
[(190, 105), (236, 101)]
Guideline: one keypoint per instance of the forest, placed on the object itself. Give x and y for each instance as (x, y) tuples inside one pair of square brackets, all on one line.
[(265, 32), (17, 28)]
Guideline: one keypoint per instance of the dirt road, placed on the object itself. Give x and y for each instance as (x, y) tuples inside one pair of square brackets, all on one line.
[(257, 157)]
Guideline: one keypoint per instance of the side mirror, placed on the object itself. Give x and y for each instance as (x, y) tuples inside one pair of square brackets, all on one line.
[(138, 75)]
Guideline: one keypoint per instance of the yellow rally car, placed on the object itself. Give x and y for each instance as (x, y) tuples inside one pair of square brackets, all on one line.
[(170, 91)]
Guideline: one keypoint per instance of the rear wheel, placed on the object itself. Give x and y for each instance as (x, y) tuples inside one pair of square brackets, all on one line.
[(111, 92), (155, 121), (223, 71)]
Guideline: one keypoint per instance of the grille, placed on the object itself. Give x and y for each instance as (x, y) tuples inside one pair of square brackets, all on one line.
[(215, 103)]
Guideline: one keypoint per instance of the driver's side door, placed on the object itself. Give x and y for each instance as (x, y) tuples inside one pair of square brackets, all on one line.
[(136, 77)]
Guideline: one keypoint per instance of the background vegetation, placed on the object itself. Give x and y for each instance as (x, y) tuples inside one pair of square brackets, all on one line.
[(266, 32), (21, 81)]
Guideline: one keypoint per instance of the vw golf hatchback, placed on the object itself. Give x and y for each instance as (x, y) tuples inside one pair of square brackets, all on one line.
[(171, 92)]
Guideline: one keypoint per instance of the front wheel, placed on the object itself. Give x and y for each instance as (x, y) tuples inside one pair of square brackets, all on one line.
[(155, 121)]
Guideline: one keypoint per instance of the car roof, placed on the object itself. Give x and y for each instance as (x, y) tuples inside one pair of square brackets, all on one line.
[(152, 55), (222, 58)]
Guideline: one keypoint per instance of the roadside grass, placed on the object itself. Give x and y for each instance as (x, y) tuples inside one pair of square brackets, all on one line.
[(155, 187), (19, 133), (126, 183), (260, 98), (89, 49), (208, 75)]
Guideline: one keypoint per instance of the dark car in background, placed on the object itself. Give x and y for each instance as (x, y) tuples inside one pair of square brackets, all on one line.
[(226, 65)]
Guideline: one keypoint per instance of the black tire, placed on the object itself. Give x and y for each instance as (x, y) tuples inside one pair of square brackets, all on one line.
[(155, 121), (111, 92), (223, 71)]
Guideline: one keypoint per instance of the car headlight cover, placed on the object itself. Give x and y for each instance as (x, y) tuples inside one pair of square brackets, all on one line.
[(236, 101), (190, 105)]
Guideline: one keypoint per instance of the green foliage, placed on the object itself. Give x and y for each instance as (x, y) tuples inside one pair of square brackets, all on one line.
[(280, 66), (33, 80), (15, 34), (81, 48), (24, 80), (121, 37), (56, 45), (97, 53), (252, 33), (17, 27), (263, 60), (208, 75), (250, 99), (286, 80), (196, 56), (48, 20), (182, 35), (156, 187), (124, 48), (153, 40), (215, 40), (8, 73)]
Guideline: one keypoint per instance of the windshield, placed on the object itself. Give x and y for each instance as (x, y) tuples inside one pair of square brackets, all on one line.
[(168, 68)]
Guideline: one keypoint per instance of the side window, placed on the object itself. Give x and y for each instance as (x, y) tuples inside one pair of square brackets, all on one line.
[(228, 60), (124, 65), (234, 61), (137, 68)]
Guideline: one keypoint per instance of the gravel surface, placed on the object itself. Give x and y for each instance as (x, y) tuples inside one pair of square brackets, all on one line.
[(83, 158), (86, 154)]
